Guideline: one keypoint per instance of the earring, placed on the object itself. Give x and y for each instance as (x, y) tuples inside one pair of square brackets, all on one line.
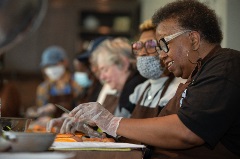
[(189, 59), (187, 53)]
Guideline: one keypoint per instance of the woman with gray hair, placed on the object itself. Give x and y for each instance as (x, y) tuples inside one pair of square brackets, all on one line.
[(117, 67)]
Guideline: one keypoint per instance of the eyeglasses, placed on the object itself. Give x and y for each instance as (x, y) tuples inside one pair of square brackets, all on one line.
[(163, 43), (150, 47)]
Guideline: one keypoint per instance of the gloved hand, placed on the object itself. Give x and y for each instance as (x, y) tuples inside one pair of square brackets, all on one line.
[(32, 112), (95, 112), (68, 125), (47, 109), (71, 126)]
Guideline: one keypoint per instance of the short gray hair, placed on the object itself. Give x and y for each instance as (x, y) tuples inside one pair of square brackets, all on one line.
[(112, 51)]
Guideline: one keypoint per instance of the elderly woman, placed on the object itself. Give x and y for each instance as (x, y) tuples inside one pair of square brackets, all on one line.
[(202, 119), (117, 68)]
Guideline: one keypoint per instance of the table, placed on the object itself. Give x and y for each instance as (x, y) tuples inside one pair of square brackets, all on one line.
[(133, 154), (75, 154)]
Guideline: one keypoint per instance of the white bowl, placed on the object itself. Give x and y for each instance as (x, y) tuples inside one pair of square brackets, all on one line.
[(29, 141)]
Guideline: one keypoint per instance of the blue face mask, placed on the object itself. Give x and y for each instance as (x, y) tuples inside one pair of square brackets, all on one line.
[(82, 79)]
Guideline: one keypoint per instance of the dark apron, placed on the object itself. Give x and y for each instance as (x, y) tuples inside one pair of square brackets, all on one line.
[(147, 112), (201, 152), (111, 102), (173, 105), (141, 112)]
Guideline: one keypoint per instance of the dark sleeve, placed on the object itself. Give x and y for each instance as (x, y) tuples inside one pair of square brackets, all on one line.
[(211, 106), (128, 89)]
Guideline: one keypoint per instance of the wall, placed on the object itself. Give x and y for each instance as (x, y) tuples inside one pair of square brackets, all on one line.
[(63, 31), (59, 27), (22, 61), (233, 21)]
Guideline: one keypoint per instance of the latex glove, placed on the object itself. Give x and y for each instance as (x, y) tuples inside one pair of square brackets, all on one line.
[(32, 112), (71, 126), (47, 109), (55, 123), (93, 133), (95, 112)]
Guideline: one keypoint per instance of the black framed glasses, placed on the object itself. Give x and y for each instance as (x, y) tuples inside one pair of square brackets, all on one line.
[(163, 42), (149, 45)]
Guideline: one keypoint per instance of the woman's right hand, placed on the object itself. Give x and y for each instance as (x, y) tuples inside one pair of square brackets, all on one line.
[(95, 113), (69, 125)]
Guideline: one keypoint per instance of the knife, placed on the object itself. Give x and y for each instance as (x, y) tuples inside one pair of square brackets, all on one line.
[(62, 108)]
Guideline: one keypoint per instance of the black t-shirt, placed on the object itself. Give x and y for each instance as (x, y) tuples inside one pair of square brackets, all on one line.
[(211, 107), (133, 80)]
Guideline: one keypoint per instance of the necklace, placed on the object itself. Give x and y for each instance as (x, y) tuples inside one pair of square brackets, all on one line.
[(150, 94)]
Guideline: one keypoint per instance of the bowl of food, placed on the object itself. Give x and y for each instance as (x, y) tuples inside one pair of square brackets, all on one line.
[(14, 124), (29, 141)]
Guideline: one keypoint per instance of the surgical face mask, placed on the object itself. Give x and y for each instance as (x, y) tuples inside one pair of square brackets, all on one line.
[(82, 79), (54, 72), (149, 67)]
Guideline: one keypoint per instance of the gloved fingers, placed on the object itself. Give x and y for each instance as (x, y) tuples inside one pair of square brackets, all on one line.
[(88, 111), (75, 110), (40, 110), (73, 129), (50, 107), (91, 123), (79, 127), (93, 133), (64, 115), (55, 123), (46, 109), (67, 125), (85, 107)]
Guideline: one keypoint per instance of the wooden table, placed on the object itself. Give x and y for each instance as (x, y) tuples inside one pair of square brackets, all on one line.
[(78, 154), (83, 154)]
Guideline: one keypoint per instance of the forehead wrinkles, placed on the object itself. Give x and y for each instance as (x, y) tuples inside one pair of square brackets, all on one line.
[(166, 28)]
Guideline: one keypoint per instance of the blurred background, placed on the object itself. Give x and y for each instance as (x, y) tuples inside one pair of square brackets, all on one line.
[(72, 24)]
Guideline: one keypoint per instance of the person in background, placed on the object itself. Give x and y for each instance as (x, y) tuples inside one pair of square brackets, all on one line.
[(86, 74), (202, 119), (58, 86), (106, 89), (117, 68)]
